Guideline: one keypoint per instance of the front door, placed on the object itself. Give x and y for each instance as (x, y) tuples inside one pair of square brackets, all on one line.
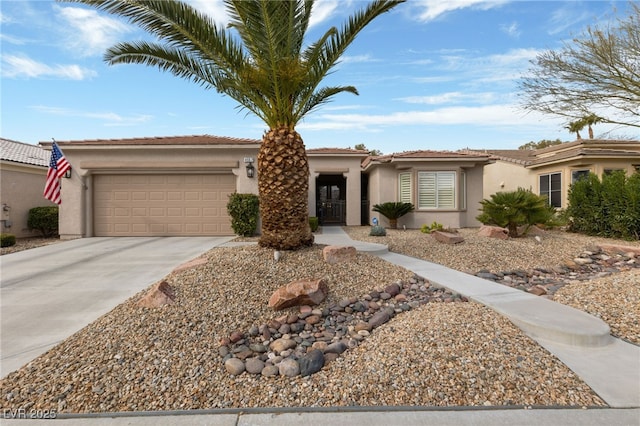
[(331, 199)]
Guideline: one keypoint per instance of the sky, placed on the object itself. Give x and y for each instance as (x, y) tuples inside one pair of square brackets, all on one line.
[(431, 75)]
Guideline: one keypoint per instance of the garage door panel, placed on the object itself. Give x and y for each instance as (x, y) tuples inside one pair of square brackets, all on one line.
[(162, 205)]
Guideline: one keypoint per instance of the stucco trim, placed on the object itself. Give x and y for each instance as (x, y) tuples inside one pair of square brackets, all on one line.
[(156, 165)]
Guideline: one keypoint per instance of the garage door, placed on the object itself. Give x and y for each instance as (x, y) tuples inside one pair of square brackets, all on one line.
[(162, 205)]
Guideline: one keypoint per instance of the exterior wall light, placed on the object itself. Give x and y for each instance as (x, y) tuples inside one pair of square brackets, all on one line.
[(251, 171), (67, 174)]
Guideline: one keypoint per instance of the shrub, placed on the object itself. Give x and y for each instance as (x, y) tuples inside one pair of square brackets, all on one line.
[(516, 208), (393, 211), (609, 207), (377, 231), (7, 240), (435, 226), (244, 210), (44, 220), (314, 223)]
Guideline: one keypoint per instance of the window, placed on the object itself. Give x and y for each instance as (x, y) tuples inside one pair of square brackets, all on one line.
[(404, 190), (576, 175), (436, 190), (551, 186)]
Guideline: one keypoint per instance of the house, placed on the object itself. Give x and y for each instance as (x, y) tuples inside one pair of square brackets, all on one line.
[(179, 186), (23, 171), (551, 171)]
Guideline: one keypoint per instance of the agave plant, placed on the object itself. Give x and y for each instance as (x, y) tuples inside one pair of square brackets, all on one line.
[(393, 211)]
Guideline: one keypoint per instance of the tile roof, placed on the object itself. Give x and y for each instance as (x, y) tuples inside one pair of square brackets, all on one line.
[(19, 152), (519, 156), (423, 155), (163, 140), (338, 151)]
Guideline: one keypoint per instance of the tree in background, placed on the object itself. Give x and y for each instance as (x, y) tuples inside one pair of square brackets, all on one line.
[(362, 147), (599, 71), (544, 143), (262, 61)]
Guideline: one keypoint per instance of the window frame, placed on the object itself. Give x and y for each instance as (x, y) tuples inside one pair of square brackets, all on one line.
[(550, 190), (409, 177), (440, 185)]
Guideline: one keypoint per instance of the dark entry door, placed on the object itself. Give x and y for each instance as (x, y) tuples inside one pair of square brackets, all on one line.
[(331, 200)]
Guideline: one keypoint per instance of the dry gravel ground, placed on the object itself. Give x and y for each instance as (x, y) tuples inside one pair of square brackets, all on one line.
[(28, 243), (440, 354)]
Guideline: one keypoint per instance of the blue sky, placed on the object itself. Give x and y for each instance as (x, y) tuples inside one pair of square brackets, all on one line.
[(431, 75)]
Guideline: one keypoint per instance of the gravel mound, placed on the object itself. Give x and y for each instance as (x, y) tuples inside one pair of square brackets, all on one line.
[(439, 354)]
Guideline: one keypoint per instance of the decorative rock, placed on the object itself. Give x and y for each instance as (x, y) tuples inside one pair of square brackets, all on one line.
[(537, 290), (494, 232), (336, 348), (289, 367), (235, 337), (313, 319), (311, 363), (379, 318), (254, 366), (160, 294), (282, 345), (392, 290), (270, 371), (234, 366), (301, 292), (447, 237), (338, 254)]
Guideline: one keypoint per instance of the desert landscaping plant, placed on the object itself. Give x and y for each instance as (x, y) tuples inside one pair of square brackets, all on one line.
[(7, 240), (244, 210), (515, 209), (44, 219), (377, 231), (435, 226), (393, 211), (314, 223)]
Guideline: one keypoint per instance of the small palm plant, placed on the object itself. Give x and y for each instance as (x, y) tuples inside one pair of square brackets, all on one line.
[(393, 211)]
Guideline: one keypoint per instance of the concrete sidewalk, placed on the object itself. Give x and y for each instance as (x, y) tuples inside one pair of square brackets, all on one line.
[(49, 293)]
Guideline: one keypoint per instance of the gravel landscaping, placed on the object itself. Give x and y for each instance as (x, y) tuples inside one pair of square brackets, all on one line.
[(441, 353)]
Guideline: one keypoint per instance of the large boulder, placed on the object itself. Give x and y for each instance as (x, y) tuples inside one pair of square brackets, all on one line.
[(338, 254), (301, 292), (160, 294), (494, 232), (447, 237)]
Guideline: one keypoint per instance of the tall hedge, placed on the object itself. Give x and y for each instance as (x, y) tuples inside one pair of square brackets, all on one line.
[(609, 207)]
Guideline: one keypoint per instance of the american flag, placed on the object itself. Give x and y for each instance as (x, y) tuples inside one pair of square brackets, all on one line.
[(58, 166)]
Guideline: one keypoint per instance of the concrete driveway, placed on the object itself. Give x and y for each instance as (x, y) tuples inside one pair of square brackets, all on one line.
[(49, 293)]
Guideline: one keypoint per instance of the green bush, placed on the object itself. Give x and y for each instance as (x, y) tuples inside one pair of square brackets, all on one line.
[(435, 226), (393, 211), (314, 223), (514, 209), (377, 231), (609, 207), (7, 240), (44, 220), (244, 210)]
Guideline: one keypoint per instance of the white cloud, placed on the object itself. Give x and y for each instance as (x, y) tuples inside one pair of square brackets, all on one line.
[(566, 17), (323, 10), (214, 8), (346, 59), (449, 98), (511, 30), (88, 32), (111, 119), (433, 9), (504, 115), (21, 66)]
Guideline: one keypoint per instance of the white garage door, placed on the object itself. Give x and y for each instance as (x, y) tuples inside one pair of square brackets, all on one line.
[(162, 205)]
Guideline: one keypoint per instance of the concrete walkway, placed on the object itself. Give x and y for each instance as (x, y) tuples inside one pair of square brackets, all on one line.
[(610, 366)]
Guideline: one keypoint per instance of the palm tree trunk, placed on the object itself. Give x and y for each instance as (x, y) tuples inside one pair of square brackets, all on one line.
[(283, 185)]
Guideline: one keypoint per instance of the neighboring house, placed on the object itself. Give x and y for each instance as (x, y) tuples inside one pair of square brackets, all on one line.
[(551, 171), (170, 186), (23, 171)]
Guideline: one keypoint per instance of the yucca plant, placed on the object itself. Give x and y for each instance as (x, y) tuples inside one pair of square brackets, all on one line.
[(393, 211), (264, 62)]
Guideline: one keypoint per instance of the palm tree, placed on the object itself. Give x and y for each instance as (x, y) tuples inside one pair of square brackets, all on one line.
[(591, 120), (393, 211), (261, 61), (575, 127)]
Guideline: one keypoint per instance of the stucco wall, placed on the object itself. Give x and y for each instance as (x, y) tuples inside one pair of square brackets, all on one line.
[(505, 176), (21, 189)]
